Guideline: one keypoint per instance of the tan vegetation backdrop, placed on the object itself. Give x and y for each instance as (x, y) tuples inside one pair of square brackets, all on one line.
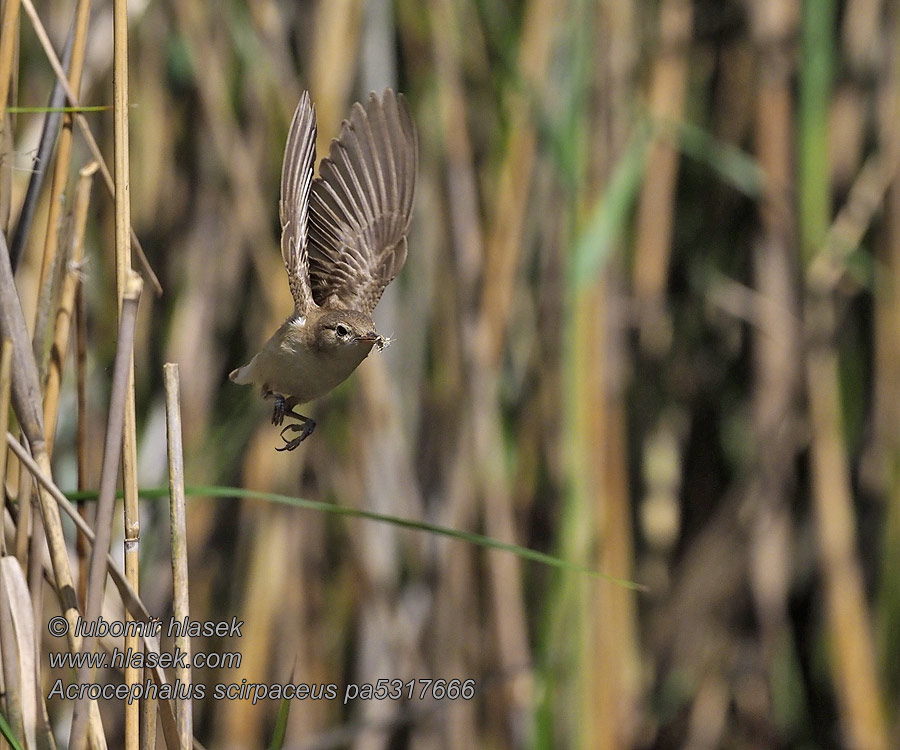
[(649, 324)]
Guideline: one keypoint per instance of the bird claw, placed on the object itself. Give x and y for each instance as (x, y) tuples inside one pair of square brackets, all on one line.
[(304, 429)]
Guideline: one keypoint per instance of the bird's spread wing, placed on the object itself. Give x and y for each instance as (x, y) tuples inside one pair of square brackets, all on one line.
[(296, 182), (361, 205)]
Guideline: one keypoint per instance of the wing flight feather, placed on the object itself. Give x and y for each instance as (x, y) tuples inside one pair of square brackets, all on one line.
[(296, 184), (361, 205)]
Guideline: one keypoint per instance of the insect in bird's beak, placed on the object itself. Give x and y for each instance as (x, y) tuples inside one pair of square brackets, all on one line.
[(381, 342)]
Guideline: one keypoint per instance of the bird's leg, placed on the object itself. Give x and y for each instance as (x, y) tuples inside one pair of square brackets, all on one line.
[(304, 429), (284, 407), (279, 410)]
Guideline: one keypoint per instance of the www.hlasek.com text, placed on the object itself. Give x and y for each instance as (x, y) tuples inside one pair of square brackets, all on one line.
[(121, 659)]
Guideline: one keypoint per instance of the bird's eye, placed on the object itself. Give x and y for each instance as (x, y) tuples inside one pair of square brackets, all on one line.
[(341, 331)]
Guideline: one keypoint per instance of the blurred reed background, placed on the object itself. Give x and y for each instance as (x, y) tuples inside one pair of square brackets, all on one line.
[(649, 323)]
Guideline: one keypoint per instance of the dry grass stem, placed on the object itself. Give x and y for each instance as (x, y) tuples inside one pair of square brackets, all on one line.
[(103, 517), (852, 647), (18, 637), (41, 159), (6, 350), (66, 307), (64, 145), (8, 646), (47, 46), (26, 403), (178, 532), (130, 599), (8, 37), (655, 217), (124, 283)]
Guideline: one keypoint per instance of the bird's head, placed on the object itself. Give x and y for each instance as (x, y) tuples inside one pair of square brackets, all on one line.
[(345, 330)]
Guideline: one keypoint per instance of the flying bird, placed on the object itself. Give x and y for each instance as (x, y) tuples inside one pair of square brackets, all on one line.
[(343, 240)]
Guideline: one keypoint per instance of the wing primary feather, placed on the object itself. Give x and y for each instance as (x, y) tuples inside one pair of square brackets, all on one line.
[(360, 151), (296, 185), (360, 205), (376, 152), (357, 176), (382, 126)]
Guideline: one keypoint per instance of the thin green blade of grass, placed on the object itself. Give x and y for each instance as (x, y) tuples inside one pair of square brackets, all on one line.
[(44, 110), (609, 216), (479, 540), (278, 737), (814, 98), (731, 164), (8, 735)]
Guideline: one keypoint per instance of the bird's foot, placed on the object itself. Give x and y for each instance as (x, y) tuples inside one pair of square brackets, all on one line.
[(304, 429)]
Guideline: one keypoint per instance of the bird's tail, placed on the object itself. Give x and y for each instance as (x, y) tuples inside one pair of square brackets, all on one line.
[(241, 375)]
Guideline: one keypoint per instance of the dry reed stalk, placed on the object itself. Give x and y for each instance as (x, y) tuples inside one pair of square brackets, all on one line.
[(881, 468), (47, 46), (865, 199), (124, 284), (856, 683), (510, 203), (586, 410), (26, 403), (484, 435), (8, 37), (388, 485), (40, 159), (8, 648), (24, 521), (777, 375), (178, 531), (853, 662), (149, 716), (130, 599), (608, 615), (6, 172), (12, 709), (66, 306), (262, 602), (856, 673), (656, 207), (109, 473), (251, 206), (5, 385), (17, 638), (849, 106), (462, 185), (861, 22), (481, 438), (64, 147), (502, 253), (337, 26), (81, 438)]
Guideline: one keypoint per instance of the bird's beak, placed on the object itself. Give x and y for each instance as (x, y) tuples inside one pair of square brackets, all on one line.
[(368, 337)]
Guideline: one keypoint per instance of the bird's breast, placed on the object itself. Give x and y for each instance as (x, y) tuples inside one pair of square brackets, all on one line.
[(290, 367)]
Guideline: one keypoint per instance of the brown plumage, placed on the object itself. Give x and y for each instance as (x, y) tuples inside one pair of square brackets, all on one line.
[(343, 241)]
